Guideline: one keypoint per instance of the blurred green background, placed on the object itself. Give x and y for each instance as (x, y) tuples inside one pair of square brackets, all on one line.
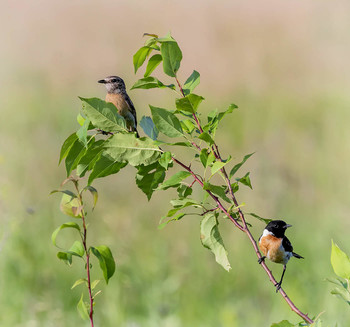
[(284, 63)]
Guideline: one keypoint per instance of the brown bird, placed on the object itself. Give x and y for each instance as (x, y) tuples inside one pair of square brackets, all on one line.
[(116, 94)]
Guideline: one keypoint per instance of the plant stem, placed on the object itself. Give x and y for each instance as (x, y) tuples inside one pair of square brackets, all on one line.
[(87, 254), (243, 228)]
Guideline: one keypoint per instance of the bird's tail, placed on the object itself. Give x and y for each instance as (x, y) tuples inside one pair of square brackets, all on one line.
[(297, 255)]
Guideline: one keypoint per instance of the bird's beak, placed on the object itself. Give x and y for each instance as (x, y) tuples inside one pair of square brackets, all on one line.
[(102, 81), (287, 226)]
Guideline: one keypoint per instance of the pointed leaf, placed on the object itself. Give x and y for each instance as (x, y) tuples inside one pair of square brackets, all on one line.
[(151, 83), (189, 103), (140, 57), (220, 191), (106, 260), (82, 308), (153, 62), (95, 283), (265, 220), (105, 166), (174, 218), (245, 180), (174, 180), (103, 115), (340, 262), (77, 249), (211, 239), (129, 148), (165, 160), (82, 132), (149, 177), (206, 137), (78, 282), (191, 83), (90, 157), (166, 122), (172, 57), (76, 152), (149, 128), (239, 165), (217, 165), (66, 257), (67, 145)]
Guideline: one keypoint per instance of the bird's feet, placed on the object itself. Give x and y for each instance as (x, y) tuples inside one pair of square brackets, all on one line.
[(261, 260), (278, 287)]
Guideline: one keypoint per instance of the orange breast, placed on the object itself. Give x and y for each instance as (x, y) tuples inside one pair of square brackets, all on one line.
[(271, 247), (119, 102)]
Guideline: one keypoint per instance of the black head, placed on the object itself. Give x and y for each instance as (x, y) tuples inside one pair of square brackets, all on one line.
[(114, 84), (277, 227)]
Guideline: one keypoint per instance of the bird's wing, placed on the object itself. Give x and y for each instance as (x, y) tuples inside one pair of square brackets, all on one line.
[(287, 245), (132, 108)]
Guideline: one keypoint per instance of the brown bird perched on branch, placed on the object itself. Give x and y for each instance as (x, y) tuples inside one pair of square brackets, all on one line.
[(116, 94), (276, 247)]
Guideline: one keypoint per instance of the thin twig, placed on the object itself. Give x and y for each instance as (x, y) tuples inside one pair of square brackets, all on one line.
[(243, 228), (91, 312)]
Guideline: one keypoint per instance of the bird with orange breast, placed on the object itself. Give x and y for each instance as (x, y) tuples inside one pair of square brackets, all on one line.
[(116, 94), (276, 247)]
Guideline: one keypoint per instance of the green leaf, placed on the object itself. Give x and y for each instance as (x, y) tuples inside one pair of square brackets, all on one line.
[(90, 157), (220, 191), (140, 57), (70, 206), (76, 152), (77, 249), (183, 203), (95, 283), (66, 225), (165, 160), (82, 308), (66, 257), (106, 260), (67, 145), (172, 57), (105, 166), (166, 122), (93, 192), (245, 180), (342, 293), (188, 126), (129, 148), (151, 83), (265, 220), (211, 239), (206, 137), (214, 118), (191, 83), (79, 282), (184, 191), (174, 180), (217, 165), (149, 128), (153, 62), (283, 323), (103, 115), (174, 218), (82, 132), (340, 262), (149, 177), (206, 157), (239, 165), (189, 103)]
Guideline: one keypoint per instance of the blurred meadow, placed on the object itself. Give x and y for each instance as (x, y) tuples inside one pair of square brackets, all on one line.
[(284, 63)]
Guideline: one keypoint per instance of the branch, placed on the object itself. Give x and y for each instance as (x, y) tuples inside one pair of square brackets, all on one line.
[(243, 228)]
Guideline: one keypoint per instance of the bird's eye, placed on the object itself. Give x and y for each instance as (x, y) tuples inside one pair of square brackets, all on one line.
[(113, 80)]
